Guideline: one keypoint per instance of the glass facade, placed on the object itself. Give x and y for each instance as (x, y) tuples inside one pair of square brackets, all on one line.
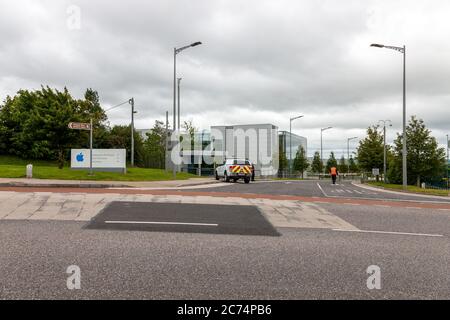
[(289, 144)]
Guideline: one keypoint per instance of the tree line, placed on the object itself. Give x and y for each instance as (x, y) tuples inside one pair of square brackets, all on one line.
[(426, 162), (34, 125)]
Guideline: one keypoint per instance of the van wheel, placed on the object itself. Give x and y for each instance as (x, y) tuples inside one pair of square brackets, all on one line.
[(247, 180), (227, 179), (217, 176)]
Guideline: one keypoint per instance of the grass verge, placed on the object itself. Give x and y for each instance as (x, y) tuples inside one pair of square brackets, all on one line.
[(413, 189), (11, 167)]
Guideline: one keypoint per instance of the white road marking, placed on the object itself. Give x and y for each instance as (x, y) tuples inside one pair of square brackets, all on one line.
[(391, 232), (349, 191), (322, 190), (164, 222)]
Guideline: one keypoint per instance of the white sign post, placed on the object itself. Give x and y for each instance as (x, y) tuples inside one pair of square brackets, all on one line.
[(101, 159), (84, 126)]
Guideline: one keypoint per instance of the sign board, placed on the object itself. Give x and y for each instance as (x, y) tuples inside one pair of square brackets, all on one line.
[(102, 159), (375, 172), (79, 126)]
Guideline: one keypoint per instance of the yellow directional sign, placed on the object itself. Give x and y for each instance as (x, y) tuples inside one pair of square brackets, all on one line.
[(79, 126)]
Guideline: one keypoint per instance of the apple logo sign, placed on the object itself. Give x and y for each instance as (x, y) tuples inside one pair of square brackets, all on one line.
[(80, 157)]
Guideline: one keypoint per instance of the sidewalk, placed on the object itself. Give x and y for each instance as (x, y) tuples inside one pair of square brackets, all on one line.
[(50, 183), (381, 189)]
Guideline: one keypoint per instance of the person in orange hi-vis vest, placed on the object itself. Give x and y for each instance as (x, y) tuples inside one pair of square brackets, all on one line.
[(334, 173)]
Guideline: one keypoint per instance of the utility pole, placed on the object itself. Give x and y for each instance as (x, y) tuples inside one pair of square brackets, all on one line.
[(166, 137), (174, 87), (384, 147), (90, 148), (448, 146), (404, 149), (175, 52), (290, 142), (131, 101), (321, 145), (348, 153), (178, 124)]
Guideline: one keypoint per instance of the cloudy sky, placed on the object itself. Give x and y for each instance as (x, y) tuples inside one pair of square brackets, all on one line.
[(260, 62)]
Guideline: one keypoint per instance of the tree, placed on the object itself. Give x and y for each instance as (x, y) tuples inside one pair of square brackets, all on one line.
[(120, 137), (331, 162), (300, 161), (342, 166), (282, 161), (317, 165), (370, 150), (34, 124), (426, 162), (155, 147), (353, 166)]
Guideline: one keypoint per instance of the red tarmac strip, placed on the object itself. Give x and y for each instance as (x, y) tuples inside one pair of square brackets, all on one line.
[(366, 202)]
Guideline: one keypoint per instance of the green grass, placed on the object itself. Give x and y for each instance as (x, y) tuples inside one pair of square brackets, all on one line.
[(12, 167), (414, 189)]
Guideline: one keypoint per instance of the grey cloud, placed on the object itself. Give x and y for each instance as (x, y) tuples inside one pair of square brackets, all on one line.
[(265, 59)]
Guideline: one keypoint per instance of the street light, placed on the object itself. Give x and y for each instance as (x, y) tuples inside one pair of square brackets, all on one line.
[(131, 102), (404, 163), (348, 152), (175, 52), (384, 147), (321, 143), (178, 82), (290, 142), (448, 146)]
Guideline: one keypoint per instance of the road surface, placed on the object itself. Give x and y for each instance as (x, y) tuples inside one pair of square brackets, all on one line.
[(176, 244)]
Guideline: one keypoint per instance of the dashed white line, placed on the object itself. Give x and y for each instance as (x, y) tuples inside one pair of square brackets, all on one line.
[(391, 232), (163, 222)]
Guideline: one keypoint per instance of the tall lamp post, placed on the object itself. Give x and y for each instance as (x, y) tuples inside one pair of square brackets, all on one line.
[(131, 102), (290, 142), (178, 83), (348, 152), (384, 147), (175, 52), (404, 162), (321, 144), (448, 146)]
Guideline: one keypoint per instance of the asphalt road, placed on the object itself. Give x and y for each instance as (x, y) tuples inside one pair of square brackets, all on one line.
[(310, 188), (186, 217), (410, 245), (302, 263)]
